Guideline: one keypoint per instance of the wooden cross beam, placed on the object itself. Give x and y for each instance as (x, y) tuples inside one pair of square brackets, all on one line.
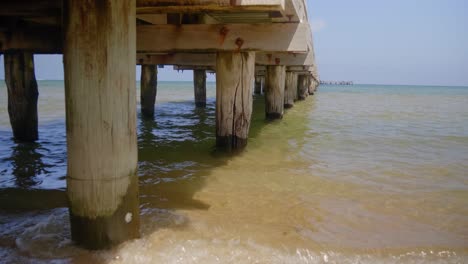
[(201, 6), (209, 59), (259, 69), (38, 8), (184, 68), (272, 37)]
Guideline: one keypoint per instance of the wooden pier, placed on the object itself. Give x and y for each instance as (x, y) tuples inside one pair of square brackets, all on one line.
[(252, 45)]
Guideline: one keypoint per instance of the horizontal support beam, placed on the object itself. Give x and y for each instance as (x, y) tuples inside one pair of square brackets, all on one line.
[(39, 41), (39, 8), (305, 68), (52, 44), (26, 8), (153, 18), (288, 59), (273, 37), (201, 6), (184, 68), (187, 59), (229, 3), (259, 69), (276, 37), (262, 72), (209, 59)]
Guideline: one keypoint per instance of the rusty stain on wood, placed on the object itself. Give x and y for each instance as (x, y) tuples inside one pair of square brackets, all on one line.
[(223, 33), (239, 43)]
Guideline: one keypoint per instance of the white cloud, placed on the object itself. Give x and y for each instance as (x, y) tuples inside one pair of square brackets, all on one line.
[(317, 25)]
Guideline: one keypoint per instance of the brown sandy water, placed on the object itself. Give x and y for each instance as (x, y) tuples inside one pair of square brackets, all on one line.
[(361, 174)]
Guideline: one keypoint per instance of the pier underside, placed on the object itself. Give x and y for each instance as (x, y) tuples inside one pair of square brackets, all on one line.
[(266, 42)]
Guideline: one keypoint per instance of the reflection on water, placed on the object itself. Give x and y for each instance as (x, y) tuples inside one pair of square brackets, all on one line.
[(362, 174), (181, 134), (26, 163), (31, 165)]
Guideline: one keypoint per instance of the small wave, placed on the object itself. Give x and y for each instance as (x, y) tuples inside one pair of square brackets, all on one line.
[(149, 250), (48, 238)]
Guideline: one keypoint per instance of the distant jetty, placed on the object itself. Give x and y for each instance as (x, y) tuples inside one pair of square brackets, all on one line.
[(337, 82)]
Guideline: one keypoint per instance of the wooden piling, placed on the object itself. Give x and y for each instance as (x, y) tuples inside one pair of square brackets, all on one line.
[(234, 79), (290, 89), (312, 84), (316, 84), (22, 94), (199, 85), (302, 87), (295, 90), (274, 91), (148, 89), (99, 63), (258, 85)]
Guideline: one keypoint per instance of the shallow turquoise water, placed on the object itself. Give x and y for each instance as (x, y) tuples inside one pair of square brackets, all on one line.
[(354, 174)]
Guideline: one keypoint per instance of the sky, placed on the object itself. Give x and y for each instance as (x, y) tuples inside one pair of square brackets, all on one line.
[(367, 41), (391, 41)]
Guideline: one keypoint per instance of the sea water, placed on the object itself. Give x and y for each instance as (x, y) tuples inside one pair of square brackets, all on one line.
[(354, 174)]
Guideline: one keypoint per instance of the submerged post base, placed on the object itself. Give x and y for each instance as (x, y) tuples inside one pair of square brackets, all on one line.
[(230, 143), (104, 232), (273, 116)]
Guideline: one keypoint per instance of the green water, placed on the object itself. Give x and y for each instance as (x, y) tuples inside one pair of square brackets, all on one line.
[(355, 174)]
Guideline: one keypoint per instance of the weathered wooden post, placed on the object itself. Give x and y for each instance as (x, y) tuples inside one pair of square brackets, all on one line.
[(258, 85), (302, 87), (295, 91), (290, 89), (312, 84), (148, 89), (234, 79), (199, 84), (316, 84), (99, 63), (22, 94), (274, 91)]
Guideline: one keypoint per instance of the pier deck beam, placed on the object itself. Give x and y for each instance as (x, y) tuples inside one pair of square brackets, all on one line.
[(302, 87), (234, 78), (258, 85), (148, 89), (22, 94), (274, 91), (99, 66), (290, 89), (199, 86)]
